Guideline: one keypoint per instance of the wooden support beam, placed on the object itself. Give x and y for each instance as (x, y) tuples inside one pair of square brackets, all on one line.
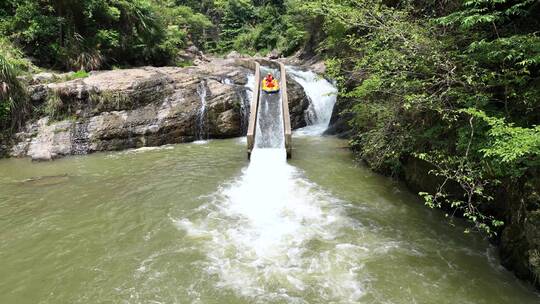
[(285, 107)]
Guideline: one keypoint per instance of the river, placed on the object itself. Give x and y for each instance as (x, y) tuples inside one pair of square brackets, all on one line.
[(198, 223)]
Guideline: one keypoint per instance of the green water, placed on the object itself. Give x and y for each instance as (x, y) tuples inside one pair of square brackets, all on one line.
[(148, 226)]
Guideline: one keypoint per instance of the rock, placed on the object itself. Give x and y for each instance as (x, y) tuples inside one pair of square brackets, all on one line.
[(193, 49), (274, 54), (52, 141), (318, 67), (48, 77), (110, 91), (132, 108), (315, 64), (235, 77), (224, 124), (339, 122), (38, 92), (3, 150), (298, 104), (192, 54), (4, 146), (233, 55), (520, 239), (43, 78), (223, 104)]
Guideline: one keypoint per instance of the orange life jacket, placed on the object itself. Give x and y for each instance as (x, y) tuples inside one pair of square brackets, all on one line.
[(269, 81)]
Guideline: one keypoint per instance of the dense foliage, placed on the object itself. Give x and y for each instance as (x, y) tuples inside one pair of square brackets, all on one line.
[(100, 34), (13, 99), (91, 34), (453, 83), (94, 34), (459, 89)]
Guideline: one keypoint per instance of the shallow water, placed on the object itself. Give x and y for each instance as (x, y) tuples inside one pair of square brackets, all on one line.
[(193, 223)]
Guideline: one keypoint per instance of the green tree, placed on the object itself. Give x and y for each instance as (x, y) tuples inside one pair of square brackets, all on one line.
[(459, 91), (13, 97)]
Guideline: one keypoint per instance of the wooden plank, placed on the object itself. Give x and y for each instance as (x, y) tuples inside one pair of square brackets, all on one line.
[(254, 107), (285, 106), (256, 100)]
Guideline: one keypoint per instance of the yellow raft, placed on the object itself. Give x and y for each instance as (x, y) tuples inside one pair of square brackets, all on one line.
[(273, 89)]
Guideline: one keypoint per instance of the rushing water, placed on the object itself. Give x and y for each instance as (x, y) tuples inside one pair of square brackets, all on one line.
[(322, 95), (202, 133), (198, 224), (245, 106), (269, 127), (184, 224)]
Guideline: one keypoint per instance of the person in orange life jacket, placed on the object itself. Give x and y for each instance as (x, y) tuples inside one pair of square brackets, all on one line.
[(269, 80)]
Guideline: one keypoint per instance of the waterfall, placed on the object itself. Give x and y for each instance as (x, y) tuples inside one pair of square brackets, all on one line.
[(322, 95), (202, 133), (80, 142), (246, 97), (227, 80)]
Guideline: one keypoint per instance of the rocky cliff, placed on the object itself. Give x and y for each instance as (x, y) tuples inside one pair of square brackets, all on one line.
[(148, 106)]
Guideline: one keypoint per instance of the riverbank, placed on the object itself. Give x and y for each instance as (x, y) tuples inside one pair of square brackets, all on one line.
[(515, 202)]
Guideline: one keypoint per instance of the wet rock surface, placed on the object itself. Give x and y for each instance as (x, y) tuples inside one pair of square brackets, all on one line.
[(298, 104), (520, 239), (341, 116), (132, 108)]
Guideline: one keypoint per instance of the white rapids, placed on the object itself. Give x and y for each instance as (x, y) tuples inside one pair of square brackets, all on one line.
[(261, 235), (271, 234), (322, 95)]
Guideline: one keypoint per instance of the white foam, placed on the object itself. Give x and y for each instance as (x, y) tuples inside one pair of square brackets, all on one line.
[(323, 96), (262, 232), (258, 233), (146, 149), (200, 142), (241, 140)]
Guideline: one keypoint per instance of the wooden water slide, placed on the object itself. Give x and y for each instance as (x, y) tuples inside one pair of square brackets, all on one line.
[(257, 97)]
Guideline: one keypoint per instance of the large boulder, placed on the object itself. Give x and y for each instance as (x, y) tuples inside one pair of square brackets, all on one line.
[(133, 108), (233, 55), (49, 141), (43, 77), (193, 55), (147, 106), (274, 54), (341, 116), (298, 104), (520, 238)]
